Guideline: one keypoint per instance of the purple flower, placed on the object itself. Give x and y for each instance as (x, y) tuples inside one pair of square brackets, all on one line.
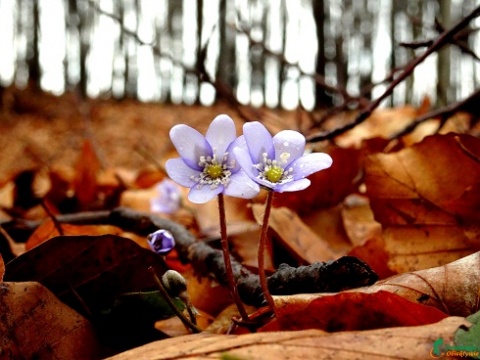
[(207, 165), (161, 241), (168, 200), (277, 163)]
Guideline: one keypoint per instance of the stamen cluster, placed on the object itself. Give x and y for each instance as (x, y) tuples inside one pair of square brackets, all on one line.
[(273, 171), (214, 173)]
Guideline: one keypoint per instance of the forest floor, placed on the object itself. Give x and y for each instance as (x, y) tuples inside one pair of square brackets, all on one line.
[(43, 129)]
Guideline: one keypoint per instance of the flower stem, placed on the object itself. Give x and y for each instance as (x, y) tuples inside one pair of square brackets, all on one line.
[(226, 257), (261, 252)]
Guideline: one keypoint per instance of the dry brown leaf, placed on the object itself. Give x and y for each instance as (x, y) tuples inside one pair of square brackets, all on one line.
[(35, 325), (47, 230), (328, 187), (453, 288), (348, 311), (426, 198), (85, 183), (296, 236), (394, 343), (358, 220)]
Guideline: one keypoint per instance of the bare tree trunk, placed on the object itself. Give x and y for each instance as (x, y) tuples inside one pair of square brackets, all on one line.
[(443, 83), (34, 59), (321, 97)]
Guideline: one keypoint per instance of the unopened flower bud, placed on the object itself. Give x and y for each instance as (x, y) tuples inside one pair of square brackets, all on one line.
[(161, 241), (174, 283)]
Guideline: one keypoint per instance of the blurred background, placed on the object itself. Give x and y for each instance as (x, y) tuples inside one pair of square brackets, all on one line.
[(266, 52)]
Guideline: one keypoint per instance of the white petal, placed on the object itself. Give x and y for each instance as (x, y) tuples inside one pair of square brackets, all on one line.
[(295, 185)]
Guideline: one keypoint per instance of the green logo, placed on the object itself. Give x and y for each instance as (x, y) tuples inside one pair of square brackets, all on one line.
[(440, 349)]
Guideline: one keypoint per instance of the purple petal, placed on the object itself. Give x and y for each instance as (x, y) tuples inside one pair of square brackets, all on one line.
[(203, 194), (231, 158), (310, 163), (241, 186), (161, 241), (259, 141), (290, 142), (180, 172), (294, 185), (190, 144), (220, 134), (242, 157)]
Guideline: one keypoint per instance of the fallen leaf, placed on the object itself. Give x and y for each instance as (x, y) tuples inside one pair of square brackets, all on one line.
[(94, 269), (427, 201), (452, 288), (47, 230), (85, 182), (347, 311), (35, 325), (413, 342), (328, 187), (296, 236)]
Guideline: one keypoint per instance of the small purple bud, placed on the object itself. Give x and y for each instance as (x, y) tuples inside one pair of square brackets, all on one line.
[(161, 241)]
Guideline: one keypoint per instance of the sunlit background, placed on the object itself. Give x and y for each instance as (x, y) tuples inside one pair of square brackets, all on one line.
[(81, 46)]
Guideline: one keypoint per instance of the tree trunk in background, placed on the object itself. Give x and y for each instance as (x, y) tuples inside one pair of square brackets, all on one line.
[(321, 97), (226, 59), (443, 84), (33, 60)]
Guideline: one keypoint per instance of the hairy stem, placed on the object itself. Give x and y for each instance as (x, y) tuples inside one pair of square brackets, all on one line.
[(189, 324), (261, 252), (228, 263)]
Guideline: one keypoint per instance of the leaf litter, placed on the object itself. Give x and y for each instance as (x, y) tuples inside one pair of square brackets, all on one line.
[(408, 209)]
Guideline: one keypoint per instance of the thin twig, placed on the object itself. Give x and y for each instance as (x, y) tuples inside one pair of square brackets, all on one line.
[(443, 39), (443, 112)]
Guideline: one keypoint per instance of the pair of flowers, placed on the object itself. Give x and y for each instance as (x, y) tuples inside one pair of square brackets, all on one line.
[(220, 162)]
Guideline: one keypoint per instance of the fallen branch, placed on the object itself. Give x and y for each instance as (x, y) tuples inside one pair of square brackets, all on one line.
[(344, 273)]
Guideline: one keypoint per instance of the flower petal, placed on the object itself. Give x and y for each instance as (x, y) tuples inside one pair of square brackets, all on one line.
[(220, 134), (290, 142), (203, 194), (241, 186), (294, 185), (180, 172), (231, 158), (310, 163), (242, 157), (190, 144), (259, 141)]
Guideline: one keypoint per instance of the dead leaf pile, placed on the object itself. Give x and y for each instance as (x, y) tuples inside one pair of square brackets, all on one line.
[(75, 284)]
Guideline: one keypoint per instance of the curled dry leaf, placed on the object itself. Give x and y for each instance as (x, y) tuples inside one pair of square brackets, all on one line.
[(402, 342), (453, 288), (427, 198), (27, 311), (347, 311)]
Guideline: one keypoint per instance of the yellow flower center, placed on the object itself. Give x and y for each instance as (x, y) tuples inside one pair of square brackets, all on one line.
[(214, 171), (274, 174)]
